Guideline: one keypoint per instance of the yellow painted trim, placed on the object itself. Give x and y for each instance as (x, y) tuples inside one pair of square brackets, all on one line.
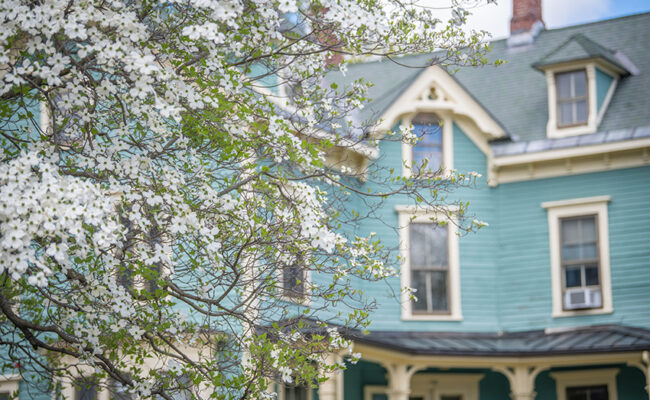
[(406, 215), (573, 208), (564, 380), (572, 152), (384, 356)]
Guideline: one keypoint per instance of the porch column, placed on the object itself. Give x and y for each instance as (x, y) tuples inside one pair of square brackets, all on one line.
[(522, 380), (327, 390), (644, 366), (399, 380)]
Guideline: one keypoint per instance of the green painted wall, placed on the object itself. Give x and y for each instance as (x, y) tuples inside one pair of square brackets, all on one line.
[(359, 375), (494, 386), (603, 82)]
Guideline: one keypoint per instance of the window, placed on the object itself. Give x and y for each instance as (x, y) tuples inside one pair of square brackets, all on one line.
[(293, 281), (432, 153), (587, 393), (580, 262), (572, 103), (589, 384), (429, 267), (296, 393), (579, 252), (427, 152), (429, 251), (85, 388)]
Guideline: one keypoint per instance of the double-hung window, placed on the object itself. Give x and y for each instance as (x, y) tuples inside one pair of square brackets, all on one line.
[(572, 100), (293, 281), (429, 267), (580, 262), (429, 251), (579, 252)]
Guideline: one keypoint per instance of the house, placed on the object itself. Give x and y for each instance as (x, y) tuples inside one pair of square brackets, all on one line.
[(552, 299)]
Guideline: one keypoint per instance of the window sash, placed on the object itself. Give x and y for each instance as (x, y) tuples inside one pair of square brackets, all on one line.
[(573, 99), (427, 127)]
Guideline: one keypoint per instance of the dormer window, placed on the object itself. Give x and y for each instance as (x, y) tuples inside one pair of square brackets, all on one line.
[(581, 77), (572, 100)]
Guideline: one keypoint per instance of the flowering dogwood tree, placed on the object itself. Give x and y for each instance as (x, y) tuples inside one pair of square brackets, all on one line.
[(169, 212)]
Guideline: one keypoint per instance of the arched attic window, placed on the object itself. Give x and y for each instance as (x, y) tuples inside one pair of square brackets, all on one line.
[(427, 152)]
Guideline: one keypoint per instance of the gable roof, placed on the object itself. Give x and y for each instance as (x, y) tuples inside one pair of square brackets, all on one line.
[(579, 47), (515, 93)]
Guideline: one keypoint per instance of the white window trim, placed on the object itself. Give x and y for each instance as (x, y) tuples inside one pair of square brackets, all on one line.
[(591, 377), (407, 215), (447, 162), (594, 117), (573, 208), (10, 384)]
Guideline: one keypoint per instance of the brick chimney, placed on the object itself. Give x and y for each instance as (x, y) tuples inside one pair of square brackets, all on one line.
[(525, 15)]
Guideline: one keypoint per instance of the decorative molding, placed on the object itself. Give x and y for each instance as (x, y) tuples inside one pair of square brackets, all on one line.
[(453, 98), (583, 159)]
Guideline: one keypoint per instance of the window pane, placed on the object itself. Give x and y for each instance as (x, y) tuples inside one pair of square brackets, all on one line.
[(437, 237), (439, 290), (418, 245), (293, 280), (579, 83), (428, 129), (587, 393), (588, 251), (599, 393), (4, 396), (588, 229), (591, 275), (563, 83), (565, 111), (572, 277), (428, 247), (581, 111), (85, 389), (419, 283), (570, 231)]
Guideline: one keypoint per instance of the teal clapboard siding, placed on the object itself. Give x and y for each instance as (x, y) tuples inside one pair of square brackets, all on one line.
[(603, 83), (505, 267), (477, 250), (524, 261)]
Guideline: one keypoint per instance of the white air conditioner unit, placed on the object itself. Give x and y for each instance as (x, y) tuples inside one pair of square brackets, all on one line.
[(582, 298)]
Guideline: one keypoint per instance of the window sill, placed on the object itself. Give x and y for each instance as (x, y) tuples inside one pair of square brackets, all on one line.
[(432, 317), (578, 313)]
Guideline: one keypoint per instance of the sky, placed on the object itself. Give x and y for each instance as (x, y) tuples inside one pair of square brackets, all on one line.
[(556, 13)]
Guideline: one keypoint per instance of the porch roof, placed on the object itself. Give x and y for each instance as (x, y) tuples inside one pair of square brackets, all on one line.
[(582, 340)]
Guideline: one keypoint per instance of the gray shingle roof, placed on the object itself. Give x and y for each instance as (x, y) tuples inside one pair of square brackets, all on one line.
[(515, 93), (584, 340), (579, 47)]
